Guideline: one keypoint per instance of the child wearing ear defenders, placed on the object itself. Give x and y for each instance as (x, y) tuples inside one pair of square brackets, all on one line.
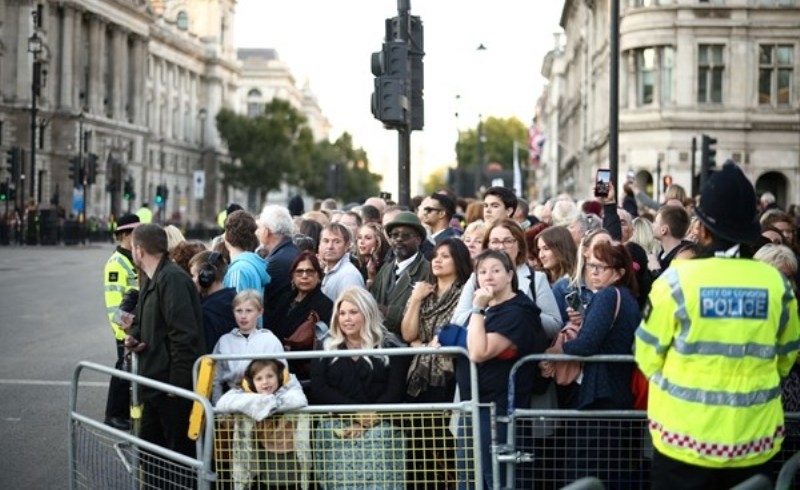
[(267, 447)]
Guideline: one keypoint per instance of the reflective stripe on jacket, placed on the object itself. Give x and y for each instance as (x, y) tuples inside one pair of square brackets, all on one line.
[(716, 338), (119, 275)]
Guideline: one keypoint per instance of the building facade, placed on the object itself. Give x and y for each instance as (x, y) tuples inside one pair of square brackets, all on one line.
[(724, 68), (136, 85)]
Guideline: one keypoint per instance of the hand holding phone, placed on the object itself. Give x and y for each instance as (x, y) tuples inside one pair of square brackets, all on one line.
[(574, 302), (602, 182)]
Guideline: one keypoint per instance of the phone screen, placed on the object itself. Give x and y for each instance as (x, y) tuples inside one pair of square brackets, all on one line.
[(601, 187)]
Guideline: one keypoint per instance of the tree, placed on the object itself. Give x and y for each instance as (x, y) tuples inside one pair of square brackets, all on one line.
[(341, 171), (499, 137), (267, 150), (436, 181)]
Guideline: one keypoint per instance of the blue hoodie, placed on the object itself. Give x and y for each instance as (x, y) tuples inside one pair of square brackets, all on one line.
[(247, 271)]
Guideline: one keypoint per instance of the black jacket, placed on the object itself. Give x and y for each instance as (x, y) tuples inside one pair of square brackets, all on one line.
[(170, 321)]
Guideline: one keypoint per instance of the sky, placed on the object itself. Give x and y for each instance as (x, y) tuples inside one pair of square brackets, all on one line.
[(330, 42)]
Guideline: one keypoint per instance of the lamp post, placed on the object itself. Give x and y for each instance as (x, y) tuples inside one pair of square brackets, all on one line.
[(35, 48), (202, 114), (481, 140)]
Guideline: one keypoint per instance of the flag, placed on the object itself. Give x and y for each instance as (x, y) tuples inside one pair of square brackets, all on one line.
[(536, 140), (517, 172)]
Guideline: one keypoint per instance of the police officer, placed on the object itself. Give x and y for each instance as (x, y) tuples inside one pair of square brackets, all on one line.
[(718, 334), (119, 277), (144, 214)]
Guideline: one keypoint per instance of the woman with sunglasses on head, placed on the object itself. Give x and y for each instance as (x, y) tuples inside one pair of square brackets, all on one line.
[(506, 235), (299, 310), (608, 327)]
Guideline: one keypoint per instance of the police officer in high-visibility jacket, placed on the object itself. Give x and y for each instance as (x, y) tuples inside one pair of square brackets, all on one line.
[(119, 276), (719, 332)]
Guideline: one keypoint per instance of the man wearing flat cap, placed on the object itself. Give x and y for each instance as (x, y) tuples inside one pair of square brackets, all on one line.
[(719, 333), (119, 277), (392, 285)]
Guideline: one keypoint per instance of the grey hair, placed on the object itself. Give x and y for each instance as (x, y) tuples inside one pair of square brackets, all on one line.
[(778, 256), (277, 219)]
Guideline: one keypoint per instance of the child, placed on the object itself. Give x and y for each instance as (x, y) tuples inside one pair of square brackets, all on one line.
[(275, 434), (245, 339), (264, 449)]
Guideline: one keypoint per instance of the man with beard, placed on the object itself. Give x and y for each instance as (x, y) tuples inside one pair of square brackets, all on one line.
[(392, 285)]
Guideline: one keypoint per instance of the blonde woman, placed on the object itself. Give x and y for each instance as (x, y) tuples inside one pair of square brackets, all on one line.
[(473, 237), (362, 447), (643, 235)]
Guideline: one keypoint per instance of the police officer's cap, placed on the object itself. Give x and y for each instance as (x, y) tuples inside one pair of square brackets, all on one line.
[(127, 222), (728, 206)]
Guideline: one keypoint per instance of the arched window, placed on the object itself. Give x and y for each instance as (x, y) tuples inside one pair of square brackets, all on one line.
[(255, 106), (182, 20)]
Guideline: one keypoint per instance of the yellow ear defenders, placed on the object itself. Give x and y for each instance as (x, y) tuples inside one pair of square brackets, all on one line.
[(248, 384)]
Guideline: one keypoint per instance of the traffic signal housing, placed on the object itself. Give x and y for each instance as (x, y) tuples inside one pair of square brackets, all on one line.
[(390, 100), (708, 155), (13, 158), (91, 169), (3, 191), (161, 195), (127, 193), (76, 171)]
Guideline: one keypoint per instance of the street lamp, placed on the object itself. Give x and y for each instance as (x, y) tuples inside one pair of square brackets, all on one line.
[(481, 140), (35, 48)]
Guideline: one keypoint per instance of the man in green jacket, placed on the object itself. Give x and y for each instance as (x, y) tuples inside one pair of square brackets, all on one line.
[(392, 285)]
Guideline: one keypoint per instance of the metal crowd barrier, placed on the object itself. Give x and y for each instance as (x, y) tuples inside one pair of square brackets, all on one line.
[(104, 457)]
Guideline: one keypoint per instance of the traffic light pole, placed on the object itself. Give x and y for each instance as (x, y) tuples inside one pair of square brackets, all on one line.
[(404, 132)]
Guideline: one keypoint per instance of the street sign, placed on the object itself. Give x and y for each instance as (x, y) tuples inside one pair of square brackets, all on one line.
[(199, 184)]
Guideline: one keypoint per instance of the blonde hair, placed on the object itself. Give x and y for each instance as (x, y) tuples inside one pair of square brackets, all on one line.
[(577, 279), (248, 296), (675, 191), (643, 235), (373, 333), (174, 236), (779, 256), (477, 227)]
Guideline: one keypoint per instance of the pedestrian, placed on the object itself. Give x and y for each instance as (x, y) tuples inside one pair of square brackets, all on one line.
[(718, 335), (119, 277), (207, 269), (247, 270), (245, 338), (334, 250), (274, 232), (168, 336)]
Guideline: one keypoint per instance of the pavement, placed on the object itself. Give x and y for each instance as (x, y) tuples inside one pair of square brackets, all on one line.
[(52, 316)]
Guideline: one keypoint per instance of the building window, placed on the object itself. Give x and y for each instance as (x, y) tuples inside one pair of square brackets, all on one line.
[(651, 3), (183, 20), (645, 76), (777, 3), (710, 68), (775, 74), (713, 2), (255, 106)]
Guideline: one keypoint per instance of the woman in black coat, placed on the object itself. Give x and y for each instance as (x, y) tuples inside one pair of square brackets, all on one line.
[(300, 308)]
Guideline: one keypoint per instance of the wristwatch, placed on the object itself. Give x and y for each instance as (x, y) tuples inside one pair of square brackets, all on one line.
[(478, 311)]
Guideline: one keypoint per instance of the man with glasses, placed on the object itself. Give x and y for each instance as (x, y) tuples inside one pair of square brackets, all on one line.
[(334, 252), (437, 211), (392, 285)]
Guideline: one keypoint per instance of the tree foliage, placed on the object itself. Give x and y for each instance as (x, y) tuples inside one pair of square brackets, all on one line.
[(277, 146), (436, 181), (267, 150), (498, 147)]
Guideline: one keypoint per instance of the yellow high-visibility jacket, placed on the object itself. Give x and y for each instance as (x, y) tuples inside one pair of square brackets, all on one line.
[(717, 336), (119, 275)]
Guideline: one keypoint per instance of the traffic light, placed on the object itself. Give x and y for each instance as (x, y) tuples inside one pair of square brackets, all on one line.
[(13, 161), (3, 191), (708, 154), (161, 195), (390, 100), (666, 182), (127, 192), (416, 52), (76, 171), (91, 169)]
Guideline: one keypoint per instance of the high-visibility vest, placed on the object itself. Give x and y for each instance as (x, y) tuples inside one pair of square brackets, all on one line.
[(717, 336), (120, 275), (145, 215)]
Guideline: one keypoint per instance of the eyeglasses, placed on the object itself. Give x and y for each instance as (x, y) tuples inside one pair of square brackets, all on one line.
[(597, 268), (305, 272), (505, 242), (431, 210), (401, 237)]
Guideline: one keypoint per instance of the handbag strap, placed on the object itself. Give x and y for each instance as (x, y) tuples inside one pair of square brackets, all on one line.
[(616, 310)]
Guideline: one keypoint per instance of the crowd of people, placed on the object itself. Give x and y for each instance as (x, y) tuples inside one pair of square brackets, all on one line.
[(503, 279)]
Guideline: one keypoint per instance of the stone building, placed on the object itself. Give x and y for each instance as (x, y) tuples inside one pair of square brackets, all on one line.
[(139, 83), (724, 68)]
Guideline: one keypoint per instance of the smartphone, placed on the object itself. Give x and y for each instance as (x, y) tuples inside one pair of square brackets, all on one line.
[(386, 196), (574, 302), (601, 183)]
